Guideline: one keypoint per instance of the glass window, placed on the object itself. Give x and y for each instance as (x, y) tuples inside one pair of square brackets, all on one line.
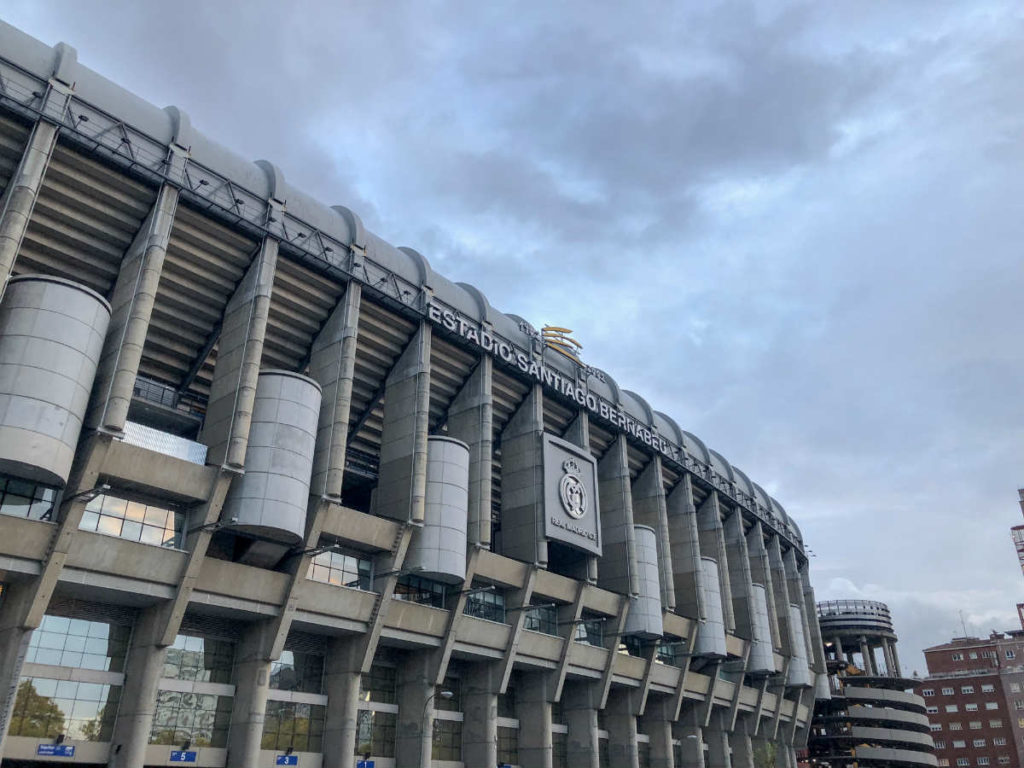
[(375, 733), (486, 605), (378, 685), (940, 745), (973, 655), (295, 725), (419, 590), (927, 692), (956, 727), (199, 658), (447, 740), (962, 761), (978, 742), (670, 652), (966, 689), (999, 741), (1004, 760), (79, 643), (45, 708), (541, 618), (508, 745), (932, 710), (959, 744), (974, 725), (952, 708), (1011, 654), (296, 671), (1014, 687), (991, 705), (341, 569), (590, 631), (988, 688), (21, 498), (643, 750), (507, 703), (200, 718), (995, 723), (135, 521), (971, 707), (935, 727), (559, 750), (947, 691), (982, 761)]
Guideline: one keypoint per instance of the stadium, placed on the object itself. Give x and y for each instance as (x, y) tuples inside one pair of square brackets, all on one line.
[(274, 492)]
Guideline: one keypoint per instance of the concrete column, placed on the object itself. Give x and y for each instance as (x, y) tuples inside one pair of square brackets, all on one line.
[(522, 468), (716, 736), (691, 737), (657, 724), (685, 545), (341, 684), (887, 655), (712, 544), (781, 594), (741, 746), (740, 574), (621, 723), (866, 657), (650, 508), (144, 666), (14, 639), (131, 307), (239, 350), (252, 684), (895, 660), (580, 712), (332, 362), (761, 572), (470, 419), (578, 433), (415, 712), (617, 569), (402, 483), (20, 196), (480, 715), (533, 708)]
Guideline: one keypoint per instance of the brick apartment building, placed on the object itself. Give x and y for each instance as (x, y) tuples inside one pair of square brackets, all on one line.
[(975, 700)]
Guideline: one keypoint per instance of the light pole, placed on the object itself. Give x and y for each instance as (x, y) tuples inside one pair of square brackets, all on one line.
[(428, 732)]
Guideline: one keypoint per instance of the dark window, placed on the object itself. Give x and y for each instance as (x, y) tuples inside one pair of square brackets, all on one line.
[(507, 703), (541, 618), (418, 590), (21, 498), (378, 685), (290, 724), (341, 570), (486, 605), (296, 671), (200, 718), (508, 745), (559, 750), (447, 740), (199, 658), (375, 733)]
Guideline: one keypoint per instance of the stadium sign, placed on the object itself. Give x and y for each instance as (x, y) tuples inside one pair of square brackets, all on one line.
[(552, 379)]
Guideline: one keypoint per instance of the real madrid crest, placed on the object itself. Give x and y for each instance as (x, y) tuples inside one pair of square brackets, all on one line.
[(571, 490)]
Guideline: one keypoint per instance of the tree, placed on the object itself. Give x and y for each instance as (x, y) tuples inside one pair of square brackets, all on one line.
[(34, 714), (766, 755)]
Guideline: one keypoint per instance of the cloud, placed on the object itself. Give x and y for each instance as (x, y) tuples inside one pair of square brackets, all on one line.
[(793, 226)]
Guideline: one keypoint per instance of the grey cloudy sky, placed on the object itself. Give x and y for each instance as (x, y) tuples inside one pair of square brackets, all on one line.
[(795, 226)]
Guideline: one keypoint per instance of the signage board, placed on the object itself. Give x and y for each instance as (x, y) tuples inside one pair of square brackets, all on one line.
[(55, 750), (287, 760), (364, 763), (571, 513), (182, 756)]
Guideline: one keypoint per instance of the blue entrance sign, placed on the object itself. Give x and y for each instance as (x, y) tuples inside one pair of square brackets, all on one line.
[(181, 756), (364, 764), (287, 760), (55, 750)]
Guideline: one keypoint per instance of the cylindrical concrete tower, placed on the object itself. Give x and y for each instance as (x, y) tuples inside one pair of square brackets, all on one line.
[(51, 336), (438, 549), (872, 717), (270, 499), (644, 617), (799, 671), (762, 655), (711, 635)]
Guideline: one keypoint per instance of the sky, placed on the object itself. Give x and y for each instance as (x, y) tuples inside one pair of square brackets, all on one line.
[(796, 227)]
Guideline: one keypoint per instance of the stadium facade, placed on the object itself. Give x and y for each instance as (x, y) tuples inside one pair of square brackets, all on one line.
[(276, 493)]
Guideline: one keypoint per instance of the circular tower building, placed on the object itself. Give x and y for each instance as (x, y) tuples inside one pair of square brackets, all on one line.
[(872, 718)]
